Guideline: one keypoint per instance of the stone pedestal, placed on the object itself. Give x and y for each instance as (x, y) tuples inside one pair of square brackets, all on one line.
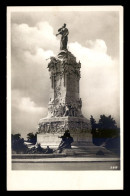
[(51, 128)]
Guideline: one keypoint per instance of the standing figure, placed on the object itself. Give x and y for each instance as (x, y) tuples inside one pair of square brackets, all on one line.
[(55, 112), (66, 110), (64, 37)]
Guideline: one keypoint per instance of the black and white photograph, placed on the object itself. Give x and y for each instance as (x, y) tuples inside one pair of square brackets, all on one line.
[(65, 97)]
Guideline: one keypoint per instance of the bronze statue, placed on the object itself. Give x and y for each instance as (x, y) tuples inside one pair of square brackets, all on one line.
[(66, 141), (64, 37)]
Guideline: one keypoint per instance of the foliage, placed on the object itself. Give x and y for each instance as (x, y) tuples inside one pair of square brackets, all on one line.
[(107, 127), (18, 145), (107, 122), (32, 137), (105, 131), (93, 124), (16, 136)]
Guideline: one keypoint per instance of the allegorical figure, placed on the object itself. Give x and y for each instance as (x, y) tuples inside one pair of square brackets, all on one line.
[(64, 37), (66, 141)]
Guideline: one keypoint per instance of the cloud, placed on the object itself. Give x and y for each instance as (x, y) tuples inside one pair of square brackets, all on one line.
[(25, 114), (29, 106), (30, 38), (25, 104), (94, 55), (97, 45)]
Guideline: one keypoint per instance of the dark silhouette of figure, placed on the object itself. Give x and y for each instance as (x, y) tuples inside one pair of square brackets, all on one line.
[(66, 141), (48, 150), (64, 37)]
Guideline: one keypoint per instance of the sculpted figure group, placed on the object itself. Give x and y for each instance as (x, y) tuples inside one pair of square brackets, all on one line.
[(72, 109)]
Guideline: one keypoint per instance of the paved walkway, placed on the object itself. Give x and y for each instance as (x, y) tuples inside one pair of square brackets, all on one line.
[(65, 159)]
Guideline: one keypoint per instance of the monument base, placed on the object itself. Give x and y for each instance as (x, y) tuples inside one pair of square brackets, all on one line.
[(50, 129)]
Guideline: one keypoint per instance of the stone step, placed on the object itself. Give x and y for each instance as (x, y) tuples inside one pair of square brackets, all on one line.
[(91, 151)]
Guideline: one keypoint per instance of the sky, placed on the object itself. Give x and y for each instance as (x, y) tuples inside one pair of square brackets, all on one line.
[(93, 39)]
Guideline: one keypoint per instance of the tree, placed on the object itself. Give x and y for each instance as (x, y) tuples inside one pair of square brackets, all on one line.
[(94, 130), (107, 127), (18, 145), (105, 131), (93, 124), (16, 136), (107, 122), (109, 133), (32, 137)]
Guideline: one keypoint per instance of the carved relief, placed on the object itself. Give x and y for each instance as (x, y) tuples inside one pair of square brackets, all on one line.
[(60, 108), (61, 126)]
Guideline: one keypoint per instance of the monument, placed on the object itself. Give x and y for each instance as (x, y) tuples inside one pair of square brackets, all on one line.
[(64, 107)]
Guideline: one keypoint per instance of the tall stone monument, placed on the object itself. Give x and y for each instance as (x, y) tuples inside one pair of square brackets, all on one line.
[(64, 107)]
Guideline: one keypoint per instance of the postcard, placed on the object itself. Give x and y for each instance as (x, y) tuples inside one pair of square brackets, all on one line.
[(65, 98)]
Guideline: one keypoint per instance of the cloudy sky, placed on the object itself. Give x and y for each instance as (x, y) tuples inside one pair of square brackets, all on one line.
[(93, 39)]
